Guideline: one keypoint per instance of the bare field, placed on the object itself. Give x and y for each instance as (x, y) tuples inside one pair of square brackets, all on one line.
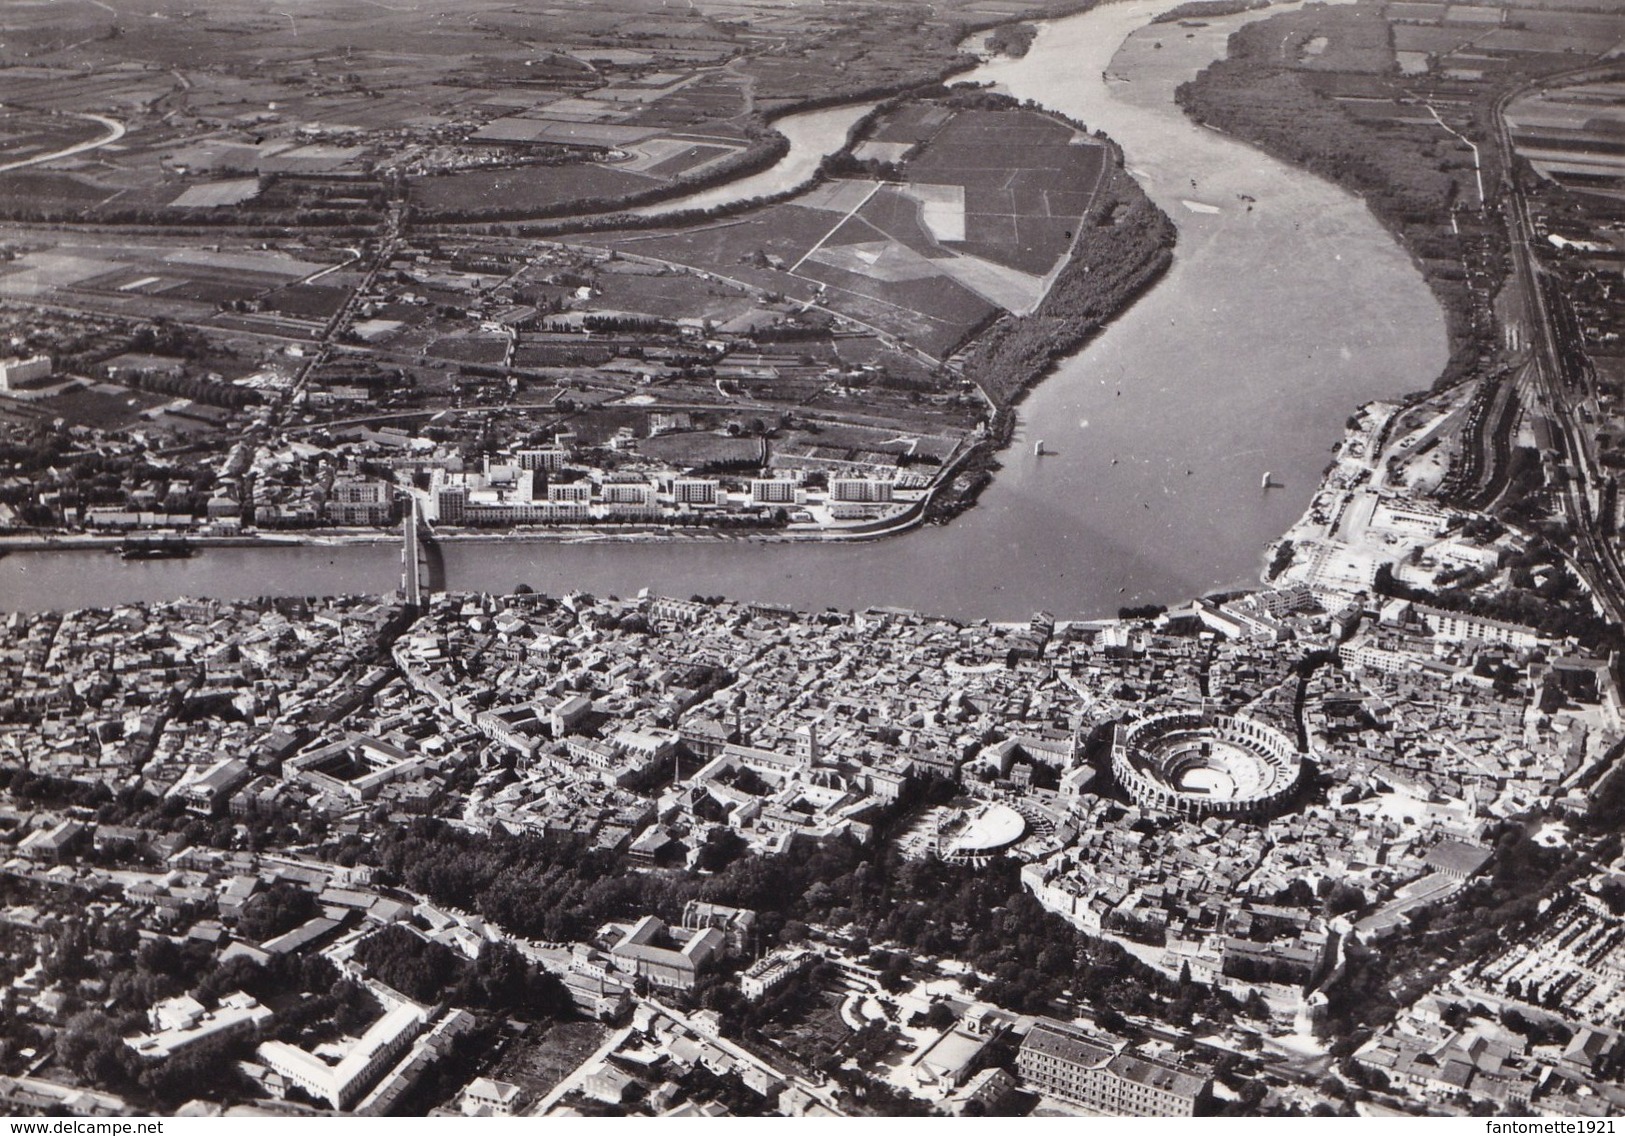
[(151, 280), (527, 187), (103, 406), (700, 448), (538, 1065), (674, 296), (785, 231), (308, 300), (470, 348), (688, 160), (30, 189)]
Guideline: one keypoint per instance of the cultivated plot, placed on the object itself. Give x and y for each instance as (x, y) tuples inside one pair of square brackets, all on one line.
[(981, 217)]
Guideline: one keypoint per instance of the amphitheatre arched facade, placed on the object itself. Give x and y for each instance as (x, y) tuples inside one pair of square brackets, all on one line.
[(1202, 764)]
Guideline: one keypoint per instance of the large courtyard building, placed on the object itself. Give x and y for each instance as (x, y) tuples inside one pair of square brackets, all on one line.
[(667, 957), (340, 1082), (1090, 1073)]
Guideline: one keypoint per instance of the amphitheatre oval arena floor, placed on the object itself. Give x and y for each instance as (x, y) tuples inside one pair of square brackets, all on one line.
[(1220, 771)]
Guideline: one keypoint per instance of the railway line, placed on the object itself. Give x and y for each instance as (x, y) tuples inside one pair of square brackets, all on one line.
[(1556, 374)]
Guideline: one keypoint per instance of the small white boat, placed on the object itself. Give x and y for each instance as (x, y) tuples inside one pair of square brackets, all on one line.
[(1038, 448), (1267, 483)]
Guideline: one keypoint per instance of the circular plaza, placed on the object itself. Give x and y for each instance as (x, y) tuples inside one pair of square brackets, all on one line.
[(1206, 764)]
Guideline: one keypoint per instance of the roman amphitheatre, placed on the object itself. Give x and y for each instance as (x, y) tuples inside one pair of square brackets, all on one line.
[(1203, 765)]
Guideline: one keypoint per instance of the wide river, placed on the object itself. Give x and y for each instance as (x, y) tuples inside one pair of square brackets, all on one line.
[(1273, 324)]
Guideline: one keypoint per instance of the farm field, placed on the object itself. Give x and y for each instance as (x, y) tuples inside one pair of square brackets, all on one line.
[(673, 296), (926, 309), (687, 159), (1475, 37), (533, 355), (983, 214), (743, 248), (1574, 135), (24, 190), (174, 281), (1026, 180), (27, 134), (309, 301), (470, 348), (527, 187), (212, 194), (696, 449)]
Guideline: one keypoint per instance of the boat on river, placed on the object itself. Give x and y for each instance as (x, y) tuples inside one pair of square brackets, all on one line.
[(165, 548)]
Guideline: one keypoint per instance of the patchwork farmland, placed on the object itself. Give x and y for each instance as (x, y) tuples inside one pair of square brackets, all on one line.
[(29, 135), (1574, 135), (976, 214), (172, 281), (324, 231)]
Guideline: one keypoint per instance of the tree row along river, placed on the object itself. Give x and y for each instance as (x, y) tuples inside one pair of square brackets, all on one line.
[(1273, 324)]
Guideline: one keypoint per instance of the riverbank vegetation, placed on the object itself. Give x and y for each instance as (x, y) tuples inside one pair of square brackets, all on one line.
[(1125, 243), (1014, 40), (1319, 88), (1208, 10)]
